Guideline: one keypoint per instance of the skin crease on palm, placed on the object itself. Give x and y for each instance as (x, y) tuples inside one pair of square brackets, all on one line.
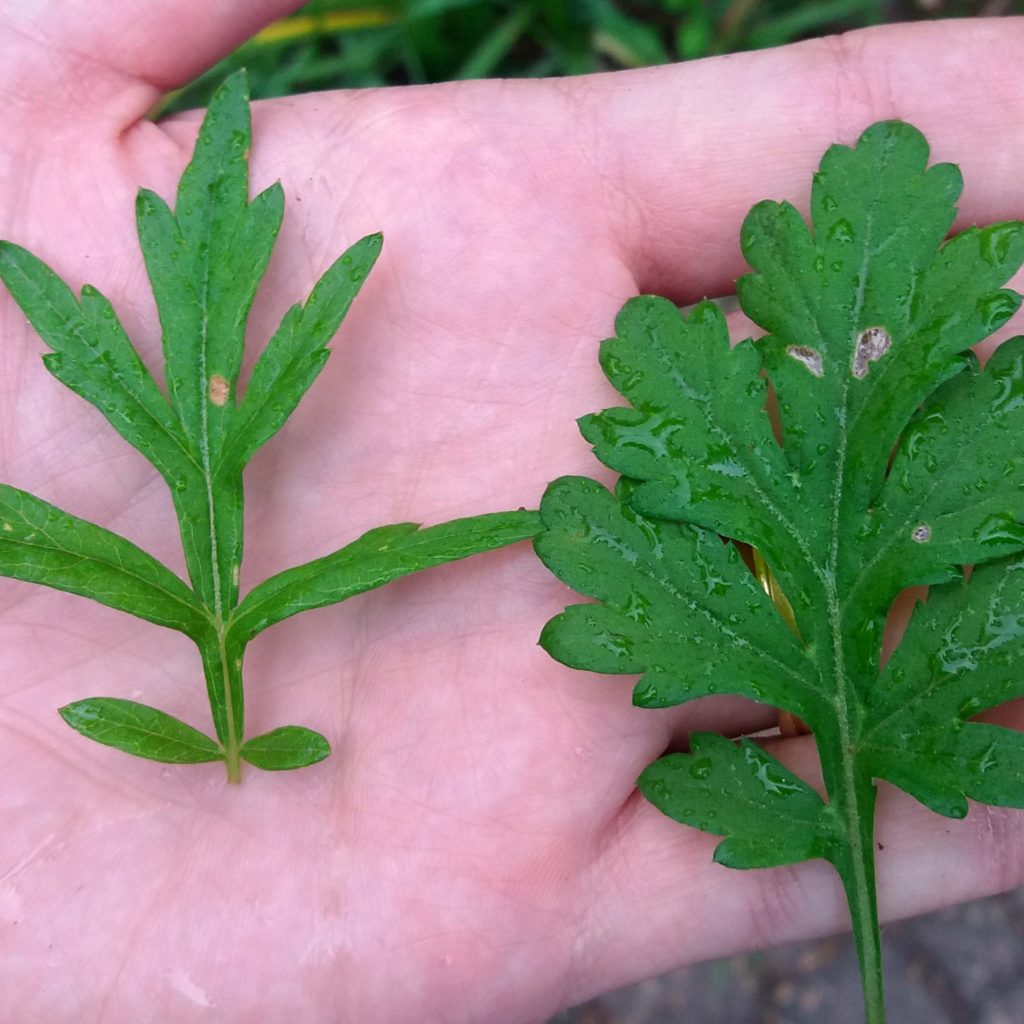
[(474, 850)]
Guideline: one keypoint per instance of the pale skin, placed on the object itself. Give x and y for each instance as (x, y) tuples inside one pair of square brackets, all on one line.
[(474, 851)]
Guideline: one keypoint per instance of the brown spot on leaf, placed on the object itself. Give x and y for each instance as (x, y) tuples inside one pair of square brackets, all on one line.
[(872, 344), (219, 389), (810, 357)]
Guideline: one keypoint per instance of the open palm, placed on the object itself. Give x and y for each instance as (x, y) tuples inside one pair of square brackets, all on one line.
[(474, 850)]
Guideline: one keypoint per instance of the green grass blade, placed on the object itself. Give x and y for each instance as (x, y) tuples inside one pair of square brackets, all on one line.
[(493, 48), (140, 730), (290, 746), (42, 544), (378, 557)]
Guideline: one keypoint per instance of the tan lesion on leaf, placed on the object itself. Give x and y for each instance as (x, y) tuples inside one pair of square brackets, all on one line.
[(219, 389), (872, 344), (809, 357)]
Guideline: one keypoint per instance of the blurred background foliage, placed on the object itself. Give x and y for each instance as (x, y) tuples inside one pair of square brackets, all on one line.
[(332, 44)]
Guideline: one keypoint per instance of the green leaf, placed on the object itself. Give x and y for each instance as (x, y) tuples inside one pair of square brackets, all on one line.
[(296, 354), (629, 41), (377, 557), (897, 462), (140, 730), (205, 259), (42, 544), (960, 656), (770, 818), (697, 434), (290, 746), (675, 603), (93, 356), (944, 503)]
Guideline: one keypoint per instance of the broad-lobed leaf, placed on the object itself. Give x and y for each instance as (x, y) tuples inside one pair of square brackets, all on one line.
[(696, 435), (140, 730), (961, 655), (948, 498), (769, 816), (676, 604), (898, 462)]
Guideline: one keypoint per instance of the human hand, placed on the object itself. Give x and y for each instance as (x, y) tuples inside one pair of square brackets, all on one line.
[(475, 849)]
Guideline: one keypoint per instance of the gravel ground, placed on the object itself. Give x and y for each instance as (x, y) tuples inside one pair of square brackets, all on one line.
[(958, 966)]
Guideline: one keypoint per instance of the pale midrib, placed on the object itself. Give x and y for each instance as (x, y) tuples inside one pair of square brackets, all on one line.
[(204, 451), (204, 446), (861, 904), (190, 742)]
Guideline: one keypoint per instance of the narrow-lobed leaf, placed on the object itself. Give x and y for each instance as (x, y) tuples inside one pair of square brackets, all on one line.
[(899, 461), (296, 354), (769, 817), (377, 557), (93, 356), (140, 730), (205, 259), (42, 544), (290, 746)]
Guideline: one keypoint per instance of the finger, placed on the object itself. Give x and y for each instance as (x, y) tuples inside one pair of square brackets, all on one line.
[(685, 151), (74, 57)]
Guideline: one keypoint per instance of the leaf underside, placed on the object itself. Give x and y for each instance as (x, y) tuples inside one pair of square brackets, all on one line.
[(205, 258), (290, 746), (140, 730), (898, 463)]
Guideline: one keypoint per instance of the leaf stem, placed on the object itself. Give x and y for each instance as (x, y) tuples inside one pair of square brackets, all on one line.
[(233, 740), (222, 667), (857, 870)]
